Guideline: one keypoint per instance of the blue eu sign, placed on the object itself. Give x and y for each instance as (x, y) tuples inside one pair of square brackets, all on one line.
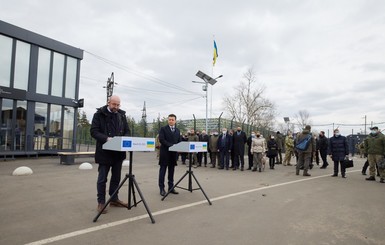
[(127, 143), (192, 147)]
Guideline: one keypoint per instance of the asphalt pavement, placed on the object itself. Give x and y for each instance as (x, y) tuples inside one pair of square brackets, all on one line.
[(57, 205)]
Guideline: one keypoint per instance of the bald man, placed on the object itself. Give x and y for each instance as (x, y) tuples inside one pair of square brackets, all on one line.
[(109, 121)]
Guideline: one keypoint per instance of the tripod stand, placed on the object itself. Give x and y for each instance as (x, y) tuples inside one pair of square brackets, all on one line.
[(132, 184), (190, 174)]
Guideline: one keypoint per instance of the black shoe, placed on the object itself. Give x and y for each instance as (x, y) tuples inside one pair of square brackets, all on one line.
[(213, 166), (323, 167), (382, 180), (254, 170), (363, 173), (343, 176), (174, 192), (248, 168), (334, 175), (259, 170), (162, 192), (241, 168), (371, 178), (227, 168), (221, 168)]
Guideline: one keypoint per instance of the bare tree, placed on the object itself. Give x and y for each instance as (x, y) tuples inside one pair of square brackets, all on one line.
[(302, 119), (248, 104)]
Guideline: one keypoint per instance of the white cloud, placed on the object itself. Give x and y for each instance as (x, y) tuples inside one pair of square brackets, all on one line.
[(323, 56)]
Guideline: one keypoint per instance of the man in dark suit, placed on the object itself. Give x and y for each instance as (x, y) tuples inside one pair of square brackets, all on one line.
[(168, 136), (239, 140), (109, 121), (225, 142)]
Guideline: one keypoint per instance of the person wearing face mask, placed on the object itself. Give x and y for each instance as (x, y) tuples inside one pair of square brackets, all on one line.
[(258, 147), (272, 151), (239, 141), (374, 147), (323, 148), (338, 151), (224, 147), (213, 146)]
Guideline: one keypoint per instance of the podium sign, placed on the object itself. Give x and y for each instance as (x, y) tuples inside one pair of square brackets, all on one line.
[(124, 143), (189, 146)]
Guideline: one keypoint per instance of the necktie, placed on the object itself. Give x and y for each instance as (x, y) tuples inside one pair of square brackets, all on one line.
[(172, 129)]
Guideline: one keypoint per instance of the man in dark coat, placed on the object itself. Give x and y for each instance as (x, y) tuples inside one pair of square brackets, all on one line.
[(109, 121), (225, 143), (168, 136), (338, 151), (239, 141), (323, 144), (280, 144)]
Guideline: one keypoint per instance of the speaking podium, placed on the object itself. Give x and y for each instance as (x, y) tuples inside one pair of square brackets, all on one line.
[(129, 144), (189, 147)]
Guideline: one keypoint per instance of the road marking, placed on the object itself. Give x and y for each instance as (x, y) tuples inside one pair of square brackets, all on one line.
[(124, 221)]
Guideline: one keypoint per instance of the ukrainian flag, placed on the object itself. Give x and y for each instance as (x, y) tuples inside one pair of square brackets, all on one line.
[(215, 53)]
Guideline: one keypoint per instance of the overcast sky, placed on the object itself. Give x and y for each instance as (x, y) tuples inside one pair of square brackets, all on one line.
[(326, 57)]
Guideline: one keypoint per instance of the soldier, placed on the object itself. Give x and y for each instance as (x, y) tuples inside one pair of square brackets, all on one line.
[(289, 149), (193, 156), (304, 156), (213, 147), (375, 149)]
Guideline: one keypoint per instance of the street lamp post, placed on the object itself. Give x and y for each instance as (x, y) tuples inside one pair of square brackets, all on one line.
[(207, 80)]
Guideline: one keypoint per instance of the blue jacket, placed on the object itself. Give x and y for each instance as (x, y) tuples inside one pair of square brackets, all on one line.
[(338, 148)]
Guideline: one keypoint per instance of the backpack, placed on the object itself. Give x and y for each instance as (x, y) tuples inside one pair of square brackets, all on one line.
[(304, 143)]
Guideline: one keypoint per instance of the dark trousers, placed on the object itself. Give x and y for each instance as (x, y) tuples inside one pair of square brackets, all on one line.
[(239, 160), (224, 159), (324, 158), (250, 160), (170, 177), (184, 157), (343, 169), (271, 162), (103, 169)]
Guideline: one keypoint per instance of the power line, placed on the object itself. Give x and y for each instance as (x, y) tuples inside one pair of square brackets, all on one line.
[(140, 74)]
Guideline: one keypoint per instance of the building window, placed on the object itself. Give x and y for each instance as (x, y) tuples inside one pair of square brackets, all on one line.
[(5, 60), (43, 67), (6, 125), (71, 78), (23, 51), (68, 127), (57, 75), (55, 127), (40, 126), (21, 124)]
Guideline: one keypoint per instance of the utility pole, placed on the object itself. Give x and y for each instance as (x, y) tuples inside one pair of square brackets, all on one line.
[(110, 86), (144, 119)]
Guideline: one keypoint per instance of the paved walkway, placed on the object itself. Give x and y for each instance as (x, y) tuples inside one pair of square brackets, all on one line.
[(57, 205)]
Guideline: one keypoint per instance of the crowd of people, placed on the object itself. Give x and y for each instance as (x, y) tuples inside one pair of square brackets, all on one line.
[(227, 150)]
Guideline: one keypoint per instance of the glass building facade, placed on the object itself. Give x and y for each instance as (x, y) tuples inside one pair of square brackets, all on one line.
[(39, 88)]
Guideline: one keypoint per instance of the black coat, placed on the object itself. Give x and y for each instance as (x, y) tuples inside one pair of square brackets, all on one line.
[(239, 142), (323, 143), (167, 139), (102, 127), (227, 145), (272, 148)]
